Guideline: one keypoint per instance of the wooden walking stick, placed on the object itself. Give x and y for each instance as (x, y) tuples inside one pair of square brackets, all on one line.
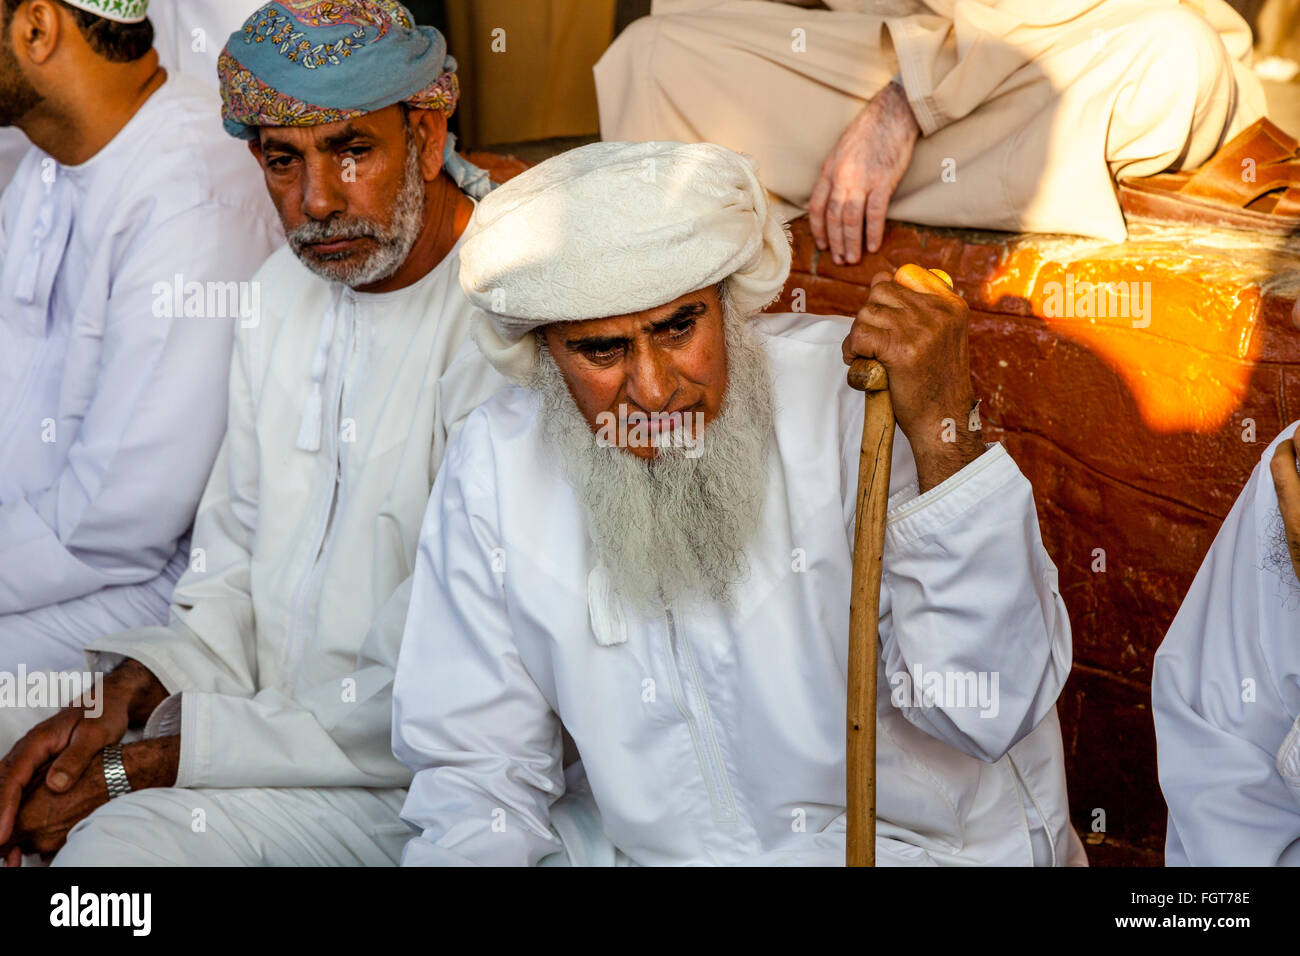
[(869, 376)]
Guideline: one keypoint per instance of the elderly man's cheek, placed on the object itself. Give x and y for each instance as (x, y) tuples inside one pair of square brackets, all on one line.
[(597, 397), (714, 393)]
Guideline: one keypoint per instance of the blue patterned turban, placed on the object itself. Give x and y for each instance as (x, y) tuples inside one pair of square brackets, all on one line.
[(312, 62)]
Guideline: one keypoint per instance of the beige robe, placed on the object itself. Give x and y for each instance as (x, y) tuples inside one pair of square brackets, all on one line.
[(1028, 108)]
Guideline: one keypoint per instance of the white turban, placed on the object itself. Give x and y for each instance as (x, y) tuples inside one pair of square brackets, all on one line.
[(614, 228)]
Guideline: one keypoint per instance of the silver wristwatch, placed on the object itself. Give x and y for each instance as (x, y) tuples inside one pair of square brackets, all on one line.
[(115, 772)]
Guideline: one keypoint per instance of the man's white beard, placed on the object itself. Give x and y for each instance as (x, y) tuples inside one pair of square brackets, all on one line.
[(395, 242), (673, 530)]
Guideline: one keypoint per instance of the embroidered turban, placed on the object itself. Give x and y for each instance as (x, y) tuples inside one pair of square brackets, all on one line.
[(614, 228), (312, 62)]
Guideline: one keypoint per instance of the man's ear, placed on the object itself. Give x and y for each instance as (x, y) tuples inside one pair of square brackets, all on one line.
[(430, 130), (255, 147), (37, 29)]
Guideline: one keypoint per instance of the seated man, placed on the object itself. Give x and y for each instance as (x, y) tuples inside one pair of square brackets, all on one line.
[(649, 546), (1225, 691), (188, 35), (113, 369), (992, 114), (265, 703)]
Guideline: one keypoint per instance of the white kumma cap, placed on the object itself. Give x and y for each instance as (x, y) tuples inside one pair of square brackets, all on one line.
[(614, 228), (123, 11)]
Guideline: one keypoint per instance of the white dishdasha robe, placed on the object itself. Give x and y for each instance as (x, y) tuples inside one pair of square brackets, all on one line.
[(113, 392), (1225, 694), (716, 735), (280, 650)]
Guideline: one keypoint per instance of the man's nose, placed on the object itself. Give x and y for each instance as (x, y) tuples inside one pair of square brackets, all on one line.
[(652, 379), (322, 193)]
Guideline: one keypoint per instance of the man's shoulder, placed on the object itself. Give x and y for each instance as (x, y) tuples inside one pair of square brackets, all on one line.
[(804, 327), (509, 415), (499, 439), (178, 157), (190, 106), (804, 351)]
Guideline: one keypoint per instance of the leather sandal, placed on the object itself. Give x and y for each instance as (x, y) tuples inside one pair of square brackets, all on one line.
[(1252, 183)]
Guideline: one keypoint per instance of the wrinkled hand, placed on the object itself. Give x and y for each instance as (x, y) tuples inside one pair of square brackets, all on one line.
[(71, 740), (860, 175), (917, 328), (1287, 482), (45, 817)]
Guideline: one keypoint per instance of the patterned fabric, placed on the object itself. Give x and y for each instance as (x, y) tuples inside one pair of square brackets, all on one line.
[(123, 11), (310, 62), (251, 103)]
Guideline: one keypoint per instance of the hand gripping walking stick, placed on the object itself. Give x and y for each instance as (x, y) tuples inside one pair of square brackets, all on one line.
[(869, 376)]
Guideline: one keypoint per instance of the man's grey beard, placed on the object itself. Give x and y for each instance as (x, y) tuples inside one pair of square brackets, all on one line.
[(674, 530), (395, 242)]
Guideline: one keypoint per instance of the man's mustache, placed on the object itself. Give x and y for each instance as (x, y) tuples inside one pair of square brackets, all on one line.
[(333, 231)]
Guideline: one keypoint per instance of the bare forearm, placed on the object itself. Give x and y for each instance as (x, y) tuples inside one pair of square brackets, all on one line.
[(153, 762), (946, 437), (139, 687), (936, 462)]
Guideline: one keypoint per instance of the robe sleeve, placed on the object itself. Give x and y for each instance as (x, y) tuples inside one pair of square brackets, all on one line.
[(469, 721), (1220, 705), (118, 510), (953, 60), (467, 383), (332, 733), (974, 599)]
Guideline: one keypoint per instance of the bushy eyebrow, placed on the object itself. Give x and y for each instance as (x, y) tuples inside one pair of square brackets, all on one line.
[(345, 135), (602, 343)]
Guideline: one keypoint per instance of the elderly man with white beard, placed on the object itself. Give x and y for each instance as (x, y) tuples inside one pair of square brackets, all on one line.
[(648, 545)]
